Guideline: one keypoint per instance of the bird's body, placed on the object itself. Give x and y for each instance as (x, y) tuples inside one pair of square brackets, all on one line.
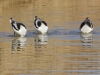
[(19, 28), (86, 26), (40, 25)]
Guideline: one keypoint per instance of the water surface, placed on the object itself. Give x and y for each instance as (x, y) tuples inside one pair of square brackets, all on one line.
[(63, 51)]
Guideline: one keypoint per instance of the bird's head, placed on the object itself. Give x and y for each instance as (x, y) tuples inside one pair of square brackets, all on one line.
[(12, 20), (35, 17)]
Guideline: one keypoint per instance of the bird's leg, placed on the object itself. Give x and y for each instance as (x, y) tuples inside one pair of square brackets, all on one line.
[(14, 33)]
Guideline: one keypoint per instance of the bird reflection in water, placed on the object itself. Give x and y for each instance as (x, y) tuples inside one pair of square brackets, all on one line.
[(40, 41), (19, 43), (87, 40)]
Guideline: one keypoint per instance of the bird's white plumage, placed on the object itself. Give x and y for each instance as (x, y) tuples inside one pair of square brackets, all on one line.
[(86, 26), (86, 29), (19, 32), (41, 29)]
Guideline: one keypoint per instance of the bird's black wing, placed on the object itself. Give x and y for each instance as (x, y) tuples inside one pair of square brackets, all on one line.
[(38, 24), (89, 24), (82, 25), (44, 23), (19, 25)]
